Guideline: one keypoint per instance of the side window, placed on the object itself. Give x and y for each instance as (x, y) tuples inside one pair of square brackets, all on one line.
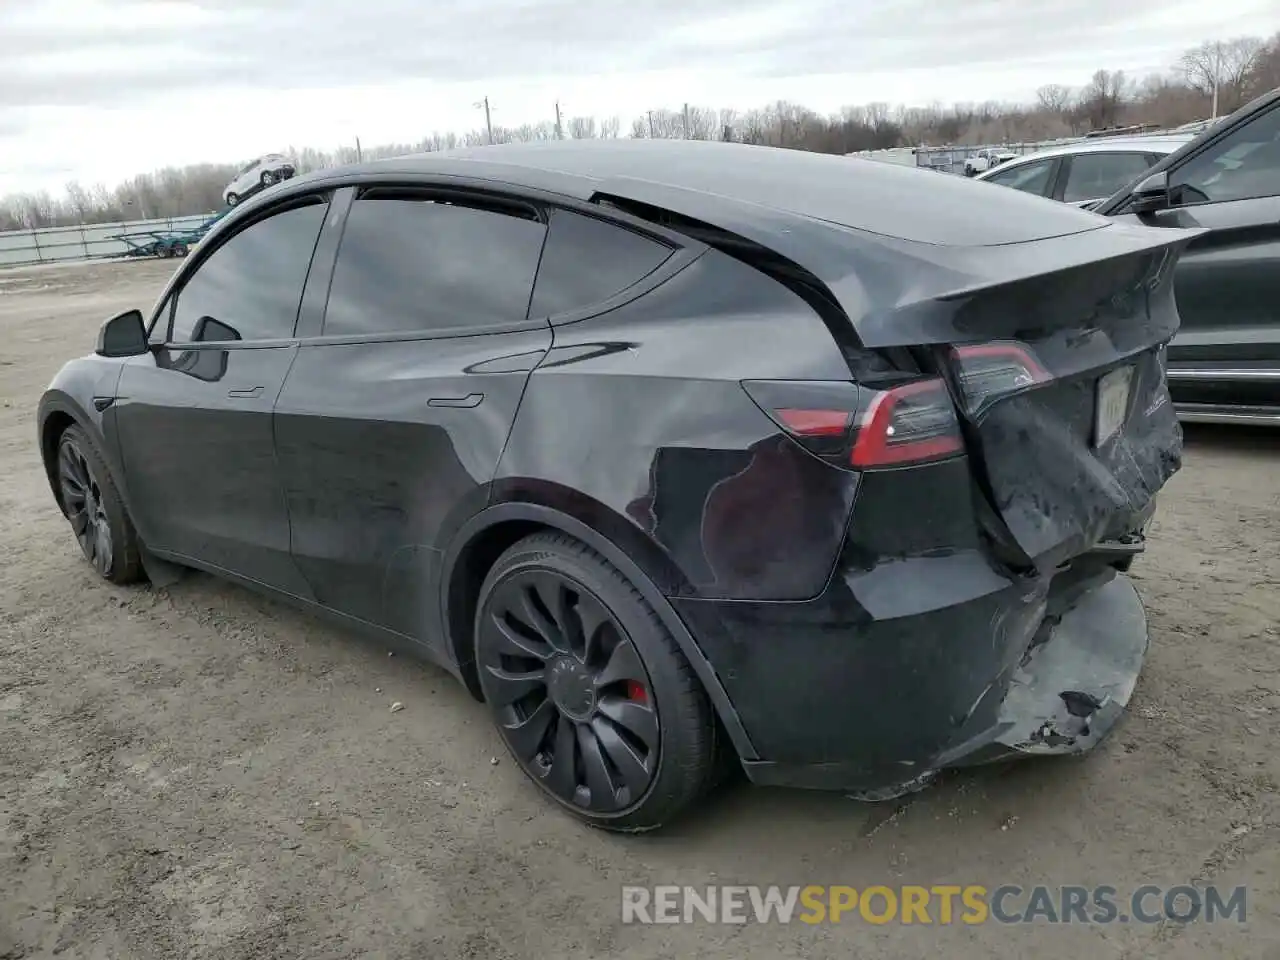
[(417, 264), (1095, 176), (1244, 165), (587, 261), (251, 286), (1027, 177)]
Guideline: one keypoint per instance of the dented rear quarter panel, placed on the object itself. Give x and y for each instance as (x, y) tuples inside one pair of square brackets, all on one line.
[(636, 422)]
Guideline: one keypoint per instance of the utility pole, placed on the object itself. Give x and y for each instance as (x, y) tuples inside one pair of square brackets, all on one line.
[(650, 124), (686, 121), (559, 129), (1217, 74), (488, 123), (359, 154)]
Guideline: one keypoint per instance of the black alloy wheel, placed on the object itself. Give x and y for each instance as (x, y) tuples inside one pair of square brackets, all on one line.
[(95, 510), (580, 677)]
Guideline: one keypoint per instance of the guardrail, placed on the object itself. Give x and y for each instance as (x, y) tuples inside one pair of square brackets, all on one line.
[(88, 241)]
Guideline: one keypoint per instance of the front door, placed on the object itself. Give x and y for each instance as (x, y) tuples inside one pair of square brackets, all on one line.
[(195, 415), (394, 415), (1228, 280)]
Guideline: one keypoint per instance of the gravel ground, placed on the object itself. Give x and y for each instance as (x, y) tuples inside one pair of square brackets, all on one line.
[(197, 772)]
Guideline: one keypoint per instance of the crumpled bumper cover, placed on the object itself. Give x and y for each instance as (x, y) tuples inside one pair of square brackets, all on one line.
[(1071, 686), (1064, 696)]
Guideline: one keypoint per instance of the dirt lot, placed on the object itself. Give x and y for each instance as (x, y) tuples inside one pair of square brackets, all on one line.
[(198, 772)]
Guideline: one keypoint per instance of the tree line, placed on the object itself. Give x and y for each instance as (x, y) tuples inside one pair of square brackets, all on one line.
[(1230, 71)]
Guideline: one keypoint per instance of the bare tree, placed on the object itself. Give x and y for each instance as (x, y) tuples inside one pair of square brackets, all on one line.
[(1220, 69), (1054, 98), (1266, 70), (583, 128), (1102, 98)]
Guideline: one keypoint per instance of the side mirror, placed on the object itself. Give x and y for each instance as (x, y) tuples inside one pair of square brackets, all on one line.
[(1151, 194), (123, 336), (210, 330)]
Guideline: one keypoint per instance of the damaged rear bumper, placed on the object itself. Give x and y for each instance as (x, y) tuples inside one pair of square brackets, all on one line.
[(1072, 685), (1044, 671)]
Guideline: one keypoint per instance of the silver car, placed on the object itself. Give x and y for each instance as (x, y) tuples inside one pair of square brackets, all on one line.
[(256, 175), (1086, 172)]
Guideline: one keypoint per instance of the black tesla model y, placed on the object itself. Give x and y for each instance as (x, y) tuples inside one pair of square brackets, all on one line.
[(671, 451)]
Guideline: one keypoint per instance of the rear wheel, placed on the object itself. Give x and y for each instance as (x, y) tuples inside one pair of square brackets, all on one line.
[(233, 199), (591, 693), (95, 509)]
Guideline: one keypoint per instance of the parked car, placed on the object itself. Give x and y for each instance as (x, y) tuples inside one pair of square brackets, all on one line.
[(1087, 172), (257, 175), (671, 451), (985, 160), (1224, 364)]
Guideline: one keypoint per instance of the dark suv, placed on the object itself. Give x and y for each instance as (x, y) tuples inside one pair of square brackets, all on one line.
[(671, 451), (1224, 364)]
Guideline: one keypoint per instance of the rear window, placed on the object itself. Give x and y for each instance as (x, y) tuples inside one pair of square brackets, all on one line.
[(1094, 176), (586, 261), (1030, 177)]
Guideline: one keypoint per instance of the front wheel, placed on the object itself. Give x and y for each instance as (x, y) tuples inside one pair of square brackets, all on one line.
[(591, 693), (232, 199), (95, 509), (267, 178)]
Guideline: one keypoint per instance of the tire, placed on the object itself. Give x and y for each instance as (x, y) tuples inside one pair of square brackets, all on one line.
[(267, 178), (95, 509), (613, 695), (232, 199), (180, 250)]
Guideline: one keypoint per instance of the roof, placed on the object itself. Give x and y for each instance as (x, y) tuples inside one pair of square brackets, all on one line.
[(1164, 144), (733, 183), (899, 249)]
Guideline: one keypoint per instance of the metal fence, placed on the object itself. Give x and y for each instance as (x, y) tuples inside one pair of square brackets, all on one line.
[(82, 242)]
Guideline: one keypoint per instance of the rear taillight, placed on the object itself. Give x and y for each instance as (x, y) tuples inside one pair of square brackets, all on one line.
[(861, 427), (989, 371), (913, 423)]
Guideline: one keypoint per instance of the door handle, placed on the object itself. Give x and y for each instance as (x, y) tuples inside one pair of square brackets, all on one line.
[(250, 393), (470, 400)]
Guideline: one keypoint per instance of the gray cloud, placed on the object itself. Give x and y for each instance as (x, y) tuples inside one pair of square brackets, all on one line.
[(283, 44)]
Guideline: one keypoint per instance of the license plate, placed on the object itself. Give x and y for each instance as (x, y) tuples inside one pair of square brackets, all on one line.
[(1113, 404)]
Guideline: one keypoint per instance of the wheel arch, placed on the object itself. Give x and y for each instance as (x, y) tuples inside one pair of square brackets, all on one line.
[(58, 412), (483, 538)]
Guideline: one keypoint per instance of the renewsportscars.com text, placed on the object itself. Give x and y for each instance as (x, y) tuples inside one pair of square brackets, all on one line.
[(940, 904)]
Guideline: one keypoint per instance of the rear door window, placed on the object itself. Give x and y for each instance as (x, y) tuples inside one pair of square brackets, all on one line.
[(587, 260), (1094, 176), (1030, 177), (418, 263)]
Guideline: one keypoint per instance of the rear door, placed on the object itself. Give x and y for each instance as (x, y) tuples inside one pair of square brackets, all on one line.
[(195, 414), (397, 408)]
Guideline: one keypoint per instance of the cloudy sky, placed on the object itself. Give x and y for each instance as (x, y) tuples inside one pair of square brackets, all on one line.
[(97, 90)]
